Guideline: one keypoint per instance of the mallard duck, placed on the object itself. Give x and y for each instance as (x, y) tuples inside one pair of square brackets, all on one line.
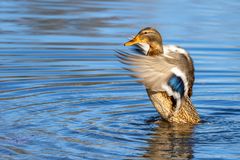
[(167, 72)]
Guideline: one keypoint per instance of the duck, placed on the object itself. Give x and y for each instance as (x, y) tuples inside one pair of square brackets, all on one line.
[(167, 72)]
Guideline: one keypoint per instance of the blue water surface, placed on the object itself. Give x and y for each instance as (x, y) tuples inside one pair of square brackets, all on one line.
[(64, 95)]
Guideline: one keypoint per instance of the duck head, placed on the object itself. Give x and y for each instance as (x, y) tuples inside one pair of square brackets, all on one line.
[(149, 39)]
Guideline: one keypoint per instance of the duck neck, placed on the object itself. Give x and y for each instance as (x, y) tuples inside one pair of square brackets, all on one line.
[(155, 49)]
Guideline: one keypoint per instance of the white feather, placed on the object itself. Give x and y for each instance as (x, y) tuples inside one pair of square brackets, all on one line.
[(166, 49), (176, 96), (145, 47), (175, 49)]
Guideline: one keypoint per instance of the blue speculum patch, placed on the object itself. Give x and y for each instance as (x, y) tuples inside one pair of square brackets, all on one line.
[(177, 85)]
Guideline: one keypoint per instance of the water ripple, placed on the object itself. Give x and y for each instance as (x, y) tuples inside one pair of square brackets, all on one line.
[(64, 95)]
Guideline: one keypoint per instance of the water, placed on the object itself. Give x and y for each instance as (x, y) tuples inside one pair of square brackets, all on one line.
[(64, 95)]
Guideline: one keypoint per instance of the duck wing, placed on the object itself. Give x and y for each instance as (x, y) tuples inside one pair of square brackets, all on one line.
[(166, 72)]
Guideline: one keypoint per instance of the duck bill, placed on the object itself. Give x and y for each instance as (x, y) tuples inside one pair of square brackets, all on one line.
[(133, 41)]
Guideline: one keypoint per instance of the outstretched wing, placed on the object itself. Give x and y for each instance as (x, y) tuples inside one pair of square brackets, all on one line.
[(188, 68), (166, 72)]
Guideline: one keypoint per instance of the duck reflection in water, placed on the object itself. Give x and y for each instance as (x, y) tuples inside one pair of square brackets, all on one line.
[(170, 141)]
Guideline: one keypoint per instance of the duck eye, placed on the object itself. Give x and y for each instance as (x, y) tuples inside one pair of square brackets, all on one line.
[(145, 32)]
